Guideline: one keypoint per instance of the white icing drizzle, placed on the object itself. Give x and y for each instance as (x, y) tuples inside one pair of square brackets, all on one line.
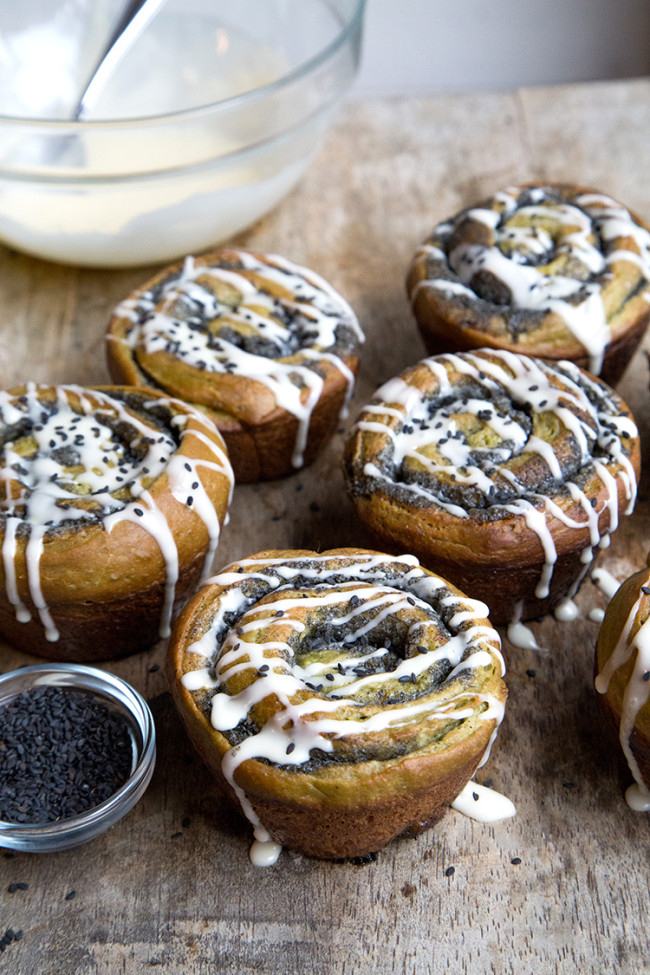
[(299, 332), (483, 804), (323, 700), (78, 470), (636, 694), (522, 636), (425, 434), (605, 581), (521, 255), (567, 611)]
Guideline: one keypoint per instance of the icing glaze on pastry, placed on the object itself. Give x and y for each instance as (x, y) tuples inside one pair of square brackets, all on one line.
[(76, 457), (623, 657), (538, 266), (237, 314), (493, 434), (340, 655)]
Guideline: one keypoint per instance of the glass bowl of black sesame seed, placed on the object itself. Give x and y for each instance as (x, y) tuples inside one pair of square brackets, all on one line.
[(77, 751)]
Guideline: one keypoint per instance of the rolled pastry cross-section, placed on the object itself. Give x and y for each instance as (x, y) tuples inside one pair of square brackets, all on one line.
[(267, 348), (623, 678), (340, 699), (502, 472), (556, 271), (111, 506)]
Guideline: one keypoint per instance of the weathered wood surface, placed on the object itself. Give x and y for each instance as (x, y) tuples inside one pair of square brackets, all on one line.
[(170, 888)]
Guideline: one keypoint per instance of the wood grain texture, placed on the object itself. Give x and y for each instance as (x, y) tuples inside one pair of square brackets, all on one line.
[(170, 888)]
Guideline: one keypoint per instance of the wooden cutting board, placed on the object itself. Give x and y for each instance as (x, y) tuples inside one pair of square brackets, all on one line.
[(562, 887)]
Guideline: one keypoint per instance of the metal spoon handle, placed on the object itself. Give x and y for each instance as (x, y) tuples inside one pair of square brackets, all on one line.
[(134, 18)]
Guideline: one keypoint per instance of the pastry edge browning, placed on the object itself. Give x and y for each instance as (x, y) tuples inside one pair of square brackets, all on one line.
[(500, 562), (449, 325), (611, 700), (260, 447), (334, 812), (105, 590)]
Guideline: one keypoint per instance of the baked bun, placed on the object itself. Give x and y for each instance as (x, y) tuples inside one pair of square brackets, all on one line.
[(499, 471), (340, 699), (550, 270), (623, 678), (266, 348), (111, 505)]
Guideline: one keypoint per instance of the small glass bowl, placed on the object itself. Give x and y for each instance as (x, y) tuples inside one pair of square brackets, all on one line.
[(208, 121), (123, 700)]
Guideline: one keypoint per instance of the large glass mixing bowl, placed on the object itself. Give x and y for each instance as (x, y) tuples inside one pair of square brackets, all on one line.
[(208, 121)]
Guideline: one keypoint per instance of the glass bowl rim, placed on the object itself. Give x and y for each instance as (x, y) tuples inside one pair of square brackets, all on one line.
[(59, 127), (108, 812)]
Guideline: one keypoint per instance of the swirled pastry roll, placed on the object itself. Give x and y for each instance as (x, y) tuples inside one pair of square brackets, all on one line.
[(341, 699), (556, 271), (623, 678), (268, 349), (499, 471), (111, 505)]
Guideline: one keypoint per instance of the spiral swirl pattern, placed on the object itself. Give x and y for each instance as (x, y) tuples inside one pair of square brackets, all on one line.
[(337, 671), (493, 458), (77, 466), (555, 271), (248, 338)]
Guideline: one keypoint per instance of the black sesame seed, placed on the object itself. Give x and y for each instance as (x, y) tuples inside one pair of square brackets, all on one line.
[(279, 612), (65, 751), (450, 871), (421, 649), (531, 673), (645, 590), (195, 485), (646, 676), (354, 600), (329, 676), (154, 668), (190, 501), (475, 796), (139, 512), (410, 600), (290, 747), (176, 835), (516, 860), (405, 679), (70, 896)]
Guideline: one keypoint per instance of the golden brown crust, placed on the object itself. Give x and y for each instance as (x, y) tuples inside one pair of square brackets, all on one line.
[(464, 320), (262, 432), (105, 587), (620, 656), (384, 782), (495, 544)]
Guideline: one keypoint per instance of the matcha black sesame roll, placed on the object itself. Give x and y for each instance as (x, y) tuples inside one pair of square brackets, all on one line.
[(341, 699), (111, 506), (503, 472)]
